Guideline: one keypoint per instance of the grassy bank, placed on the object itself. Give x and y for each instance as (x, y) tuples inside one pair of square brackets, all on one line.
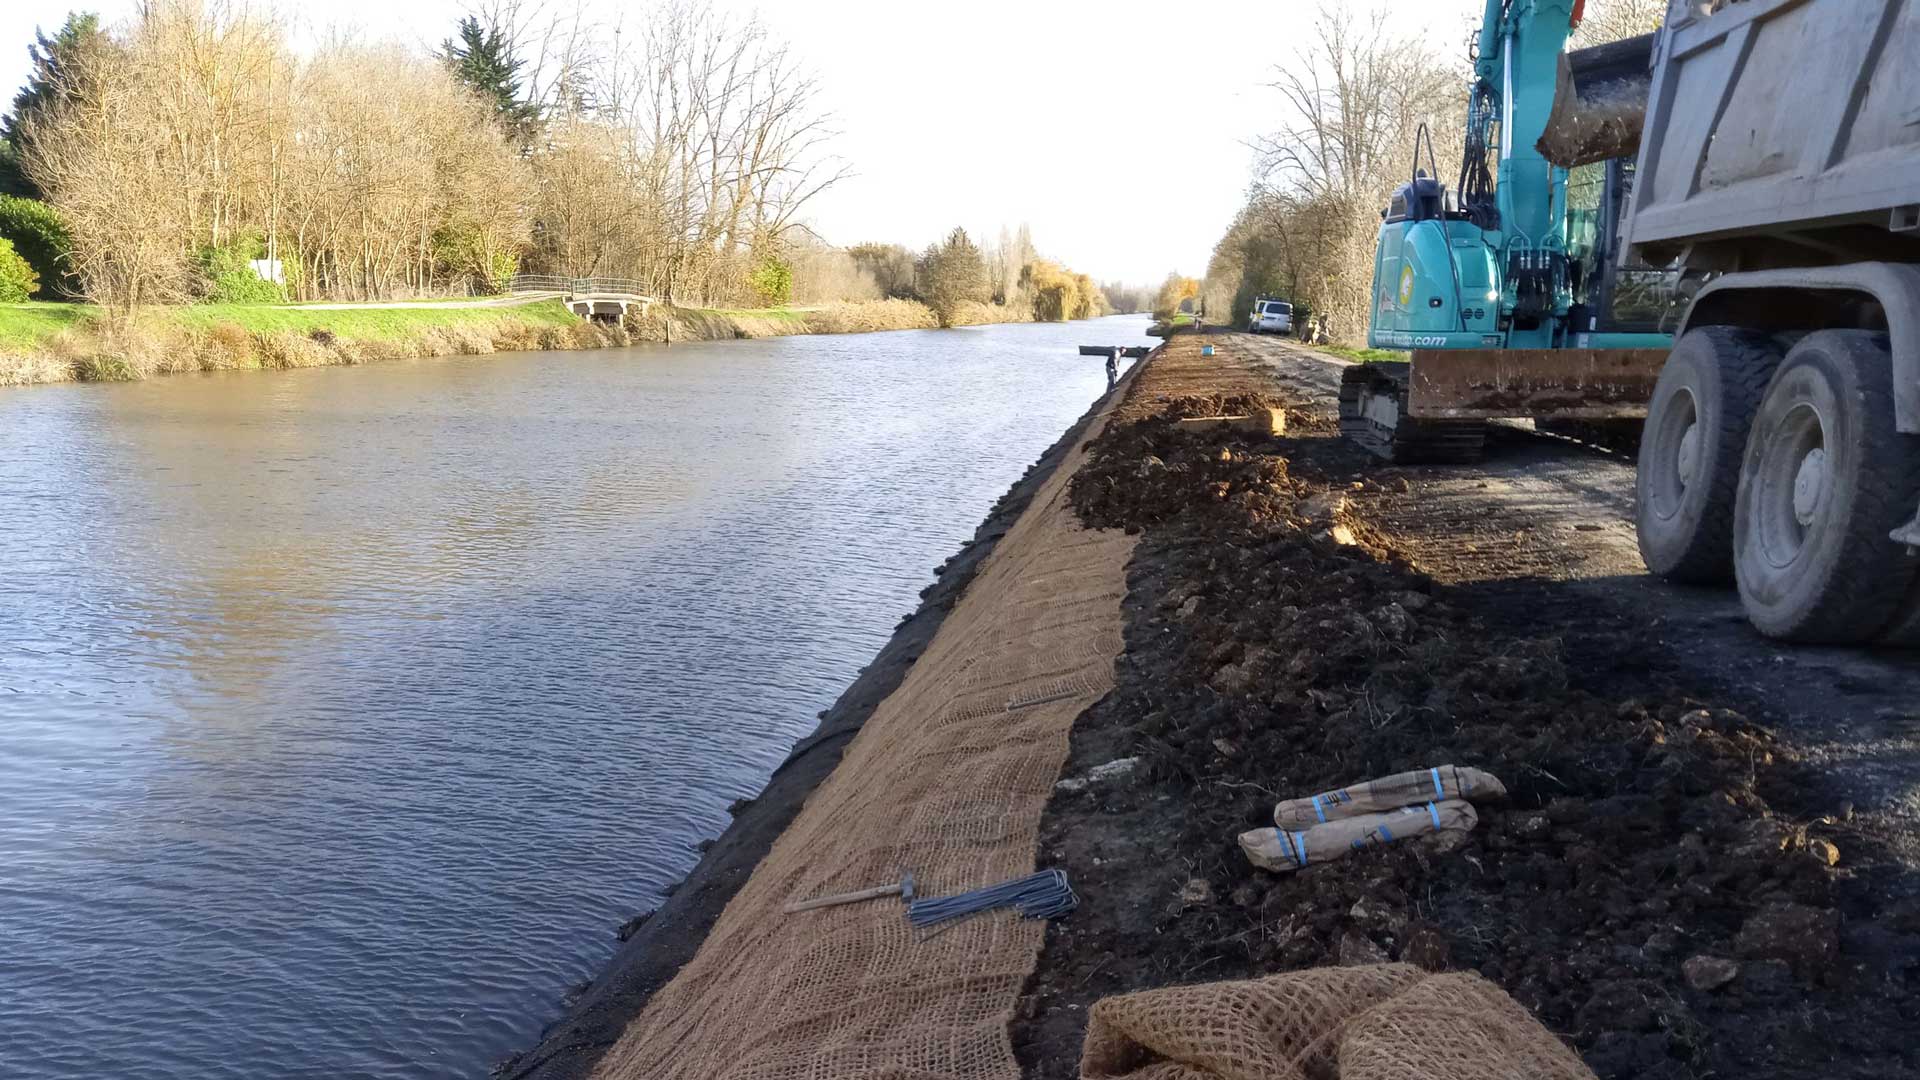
[(856, 317), (1164, 327), (43, 342)]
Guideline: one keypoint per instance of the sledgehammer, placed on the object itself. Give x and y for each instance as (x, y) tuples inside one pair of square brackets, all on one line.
[(904, 890)]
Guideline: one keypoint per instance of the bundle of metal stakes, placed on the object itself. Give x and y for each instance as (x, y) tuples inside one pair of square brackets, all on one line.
[(1044, 895)]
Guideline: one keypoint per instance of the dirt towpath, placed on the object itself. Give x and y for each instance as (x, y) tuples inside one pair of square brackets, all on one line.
[(516, 300), (1677, 884)]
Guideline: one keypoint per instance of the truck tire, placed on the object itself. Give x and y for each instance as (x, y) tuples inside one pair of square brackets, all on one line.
[(1690, 451), (1825, 477)]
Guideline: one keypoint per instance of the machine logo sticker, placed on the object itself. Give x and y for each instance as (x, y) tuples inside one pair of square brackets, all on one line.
[(1406, 285)]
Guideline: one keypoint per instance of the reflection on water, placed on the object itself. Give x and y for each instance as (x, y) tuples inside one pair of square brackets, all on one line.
[(344, 712)]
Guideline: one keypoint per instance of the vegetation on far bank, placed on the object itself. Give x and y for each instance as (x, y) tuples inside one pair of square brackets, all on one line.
[(191, 155), (44, 342), (48, 342)]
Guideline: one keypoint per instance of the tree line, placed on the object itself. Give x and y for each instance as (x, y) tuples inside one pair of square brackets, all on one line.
[(192, 154), (957, 271), (1356, 94)]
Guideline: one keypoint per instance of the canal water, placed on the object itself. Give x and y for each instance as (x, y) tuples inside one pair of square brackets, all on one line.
[(344, 713)]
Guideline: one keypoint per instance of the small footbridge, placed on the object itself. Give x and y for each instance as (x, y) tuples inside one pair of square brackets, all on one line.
[(588, 297)]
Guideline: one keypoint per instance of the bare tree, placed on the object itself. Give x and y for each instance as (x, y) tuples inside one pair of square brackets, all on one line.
[(209, 69), (725, 139), (891, 266), (1356, 97), (681, 149), (1611, 20), (105, 166)]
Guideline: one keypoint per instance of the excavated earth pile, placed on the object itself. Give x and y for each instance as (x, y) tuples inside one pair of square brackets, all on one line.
[(1651, 889)]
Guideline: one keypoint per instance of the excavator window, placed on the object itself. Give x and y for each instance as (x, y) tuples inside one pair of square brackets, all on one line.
[(1612, 292), (1638, 295), (1586, 252)]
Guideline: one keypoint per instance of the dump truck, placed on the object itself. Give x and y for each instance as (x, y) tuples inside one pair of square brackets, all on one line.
[(1779, 165)]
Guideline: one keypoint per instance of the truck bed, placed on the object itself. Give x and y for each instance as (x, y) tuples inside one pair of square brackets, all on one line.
[(1794, 121)]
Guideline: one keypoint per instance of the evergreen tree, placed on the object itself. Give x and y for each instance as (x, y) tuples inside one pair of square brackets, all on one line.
[(482, 59), (53, 62), (954, 273)]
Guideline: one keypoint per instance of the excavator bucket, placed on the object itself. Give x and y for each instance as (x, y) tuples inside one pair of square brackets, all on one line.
[(1599, 103), (1545, 384)]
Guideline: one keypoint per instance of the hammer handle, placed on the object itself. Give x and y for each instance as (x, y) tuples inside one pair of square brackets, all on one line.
[(874, 893)]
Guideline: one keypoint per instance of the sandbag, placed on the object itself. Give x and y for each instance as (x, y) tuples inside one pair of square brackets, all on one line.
[(1437, 784), (1373, 1022), (1282, 850)]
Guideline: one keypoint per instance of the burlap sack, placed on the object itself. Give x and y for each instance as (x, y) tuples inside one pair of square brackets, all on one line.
[(1289, 849), (1381, 1022), (1437, 784), (1454, 1027), (1264, 1029)]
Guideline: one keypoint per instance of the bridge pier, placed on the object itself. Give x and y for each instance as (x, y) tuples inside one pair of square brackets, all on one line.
[(599, 307)]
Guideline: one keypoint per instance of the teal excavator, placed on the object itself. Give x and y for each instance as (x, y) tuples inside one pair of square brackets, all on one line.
[(1511, 291)]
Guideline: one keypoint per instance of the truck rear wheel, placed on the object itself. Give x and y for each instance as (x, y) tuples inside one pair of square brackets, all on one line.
[(1825, 477), (1690, 451)]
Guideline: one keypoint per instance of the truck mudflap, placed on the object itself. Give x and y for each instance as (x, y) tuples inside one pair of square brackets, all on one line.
[(1545, 384)]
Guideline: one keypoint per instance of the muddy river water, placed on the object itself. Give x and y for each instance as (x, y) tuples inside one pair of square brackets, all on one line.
[(345, 712)]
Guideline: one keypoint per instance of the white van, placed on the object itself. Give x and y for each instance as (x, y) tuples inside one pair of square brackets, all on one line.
[(1271, 316)]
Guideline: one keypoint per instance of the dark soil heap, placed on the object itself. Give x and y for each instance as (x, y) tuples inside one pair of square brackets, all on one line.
[(1643, 890)]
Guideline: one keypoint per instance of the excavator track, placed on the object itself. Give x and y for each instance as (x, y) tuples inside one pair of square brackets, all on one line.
[(1373, 413)]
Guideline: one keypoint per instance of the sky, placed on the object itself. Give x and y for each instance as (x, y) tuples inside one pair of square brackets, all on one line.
[(1116, 131)]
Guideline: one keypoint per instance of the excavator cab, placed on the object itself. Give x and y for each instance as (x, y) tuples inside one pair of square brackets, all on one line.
[(1614, 292)]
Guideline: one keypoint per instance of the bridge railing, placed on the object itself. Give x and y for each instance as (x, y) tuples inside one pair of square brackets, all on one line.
[(538, 283), (603, 286), (578, 286)]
